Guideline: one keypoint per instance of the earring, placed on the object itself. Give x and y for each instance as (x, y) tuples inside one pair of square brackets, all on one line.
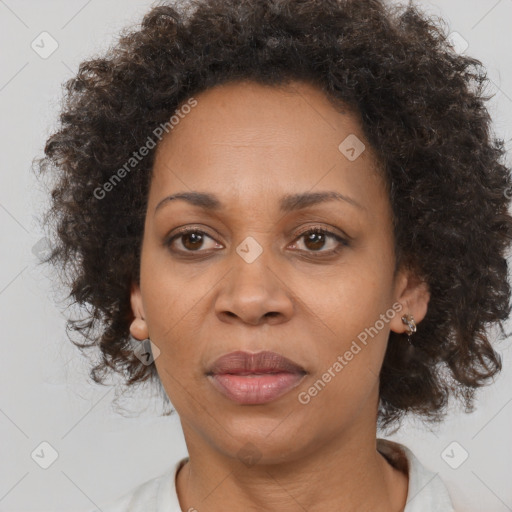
[(411, 326)]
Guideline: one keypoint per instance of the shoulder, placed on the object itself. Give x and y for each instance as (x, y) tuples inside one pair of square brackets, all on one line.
[(426, 492), (157, 494)]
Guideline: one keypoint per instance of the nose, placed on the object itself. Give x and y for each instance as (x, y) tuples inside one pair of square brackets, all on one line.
[(254, 293)]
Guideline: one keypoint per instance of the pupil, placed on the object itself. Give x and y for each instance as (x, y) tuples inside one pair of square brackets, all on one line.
[(195, 237), (318, 244)]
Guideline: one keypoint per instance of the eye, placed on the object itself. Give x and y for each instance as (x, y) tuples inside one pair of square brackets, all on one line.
[(191, 240), (317, 238)]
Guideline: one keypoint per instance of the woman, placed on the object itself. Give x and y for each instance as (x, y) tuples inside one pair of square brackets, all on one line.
[(293, 217)]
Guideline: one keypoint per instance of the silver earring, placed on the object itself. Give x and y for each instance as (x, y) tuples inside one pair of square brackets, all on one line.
[(411, 326)]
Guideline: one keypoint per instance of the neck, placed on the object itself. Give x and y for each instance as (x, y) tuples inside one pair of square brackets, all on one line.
[(346, 473)]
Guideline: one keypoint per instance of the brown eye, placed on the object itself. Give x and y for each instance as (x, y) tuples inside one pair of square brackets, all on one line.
[(316, 239), (191, 240)]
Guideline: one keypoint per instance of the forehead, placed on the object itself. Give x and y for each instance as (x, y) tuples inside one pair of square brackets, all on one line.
[(246, 139)]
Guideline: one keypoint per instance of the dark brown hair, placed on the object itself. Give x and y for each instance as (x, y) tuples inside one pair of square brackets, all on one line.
[(422, 108)]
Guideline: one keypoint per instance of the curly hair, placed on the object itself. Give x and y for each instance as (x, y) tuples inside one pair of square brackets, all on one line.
[(422, 108)]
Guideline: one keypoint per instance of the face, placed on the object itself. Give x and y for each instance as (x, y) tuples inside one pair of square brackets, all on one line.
[(251, 276)]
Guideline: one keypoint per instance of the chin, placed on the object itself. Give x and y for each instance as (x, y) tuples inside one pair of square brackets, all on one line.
[(262, 442)]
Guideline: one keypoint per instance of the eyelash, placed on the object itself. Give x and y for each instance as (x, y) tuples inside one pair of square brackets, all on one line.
[(315, 230)]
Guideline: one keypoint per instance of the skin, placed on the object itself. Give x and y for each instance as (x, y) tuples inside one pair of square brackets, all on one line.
[(249, 145)]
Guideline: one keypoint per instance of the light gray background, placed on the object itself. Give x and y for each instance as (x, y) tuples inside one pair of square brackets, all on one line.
[(45, 393)]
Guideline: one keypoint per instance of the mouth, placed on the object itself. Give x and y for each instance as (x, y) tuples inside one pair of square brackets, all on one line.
[(254, 379)]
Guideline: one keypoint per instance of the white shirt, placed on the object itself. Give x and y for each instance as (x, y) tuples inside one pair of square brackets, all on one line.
[(426, 492)]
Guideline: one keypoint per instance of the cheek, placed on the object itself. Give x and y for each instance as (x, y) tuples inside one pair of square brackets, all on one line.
[(347, 373), (175, 320), (169, 292), (354, 298), (350, 308)]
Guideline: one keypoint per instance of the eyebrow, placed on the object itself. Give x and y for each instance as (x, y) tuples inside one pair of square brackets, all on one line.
[(288, 203)]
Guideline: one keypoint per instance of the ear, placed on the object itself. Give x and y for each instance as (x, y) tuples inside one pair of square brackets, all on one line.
[(138, 327), (136, 301), (413, 294)]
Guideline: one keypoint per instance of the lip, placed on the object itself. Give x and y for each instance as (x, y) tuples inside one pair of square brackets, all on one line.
[(259, 378)]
